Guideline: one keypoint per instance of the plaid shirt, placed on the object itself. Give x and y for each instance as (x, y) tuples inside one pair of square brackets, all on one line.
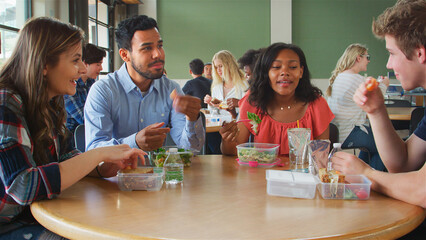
[(22, 181), (75, 104)]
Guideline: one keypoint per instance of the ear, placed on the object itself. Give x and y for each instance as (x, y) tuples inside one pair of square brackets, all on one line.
[(45, 70), (421, 54), (301, 72), (190, 72), (124, 54)]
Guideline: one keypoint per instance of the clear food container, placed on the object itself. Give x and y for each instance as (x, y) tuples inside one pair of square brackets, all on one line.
[(141, 178), (355, 187), (262, 153), (290, 184), (159, 156)]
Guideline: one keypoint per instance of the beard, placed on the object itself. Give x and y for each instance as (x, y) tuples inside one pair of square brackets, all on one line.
[(149, 74)]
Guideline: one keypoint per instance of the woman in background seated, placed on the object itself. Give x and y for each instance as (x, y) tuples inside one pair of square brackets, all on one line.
[(36, 158), (229, 83), (349, 118), (282, 96)]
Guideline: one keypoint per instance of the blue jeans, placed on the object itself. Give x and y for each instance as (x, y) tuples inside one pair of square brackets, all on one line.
[(30, 232), (365, 142)]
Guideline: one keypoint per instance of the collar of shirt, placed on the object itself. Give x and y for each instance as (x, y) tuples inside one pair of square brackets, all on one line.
[(129, 85)]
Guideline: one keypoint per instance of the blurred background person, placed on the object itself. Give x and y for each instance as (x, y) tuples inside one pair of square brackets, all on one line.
[(199, 86), (282, 97), (247, 61), (208, 71), (92, 58), (350, 119), (229, 84)]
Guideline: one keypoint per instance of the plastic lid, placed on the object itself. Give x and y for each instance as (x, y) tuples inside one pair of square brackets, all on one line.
[(173, 150)]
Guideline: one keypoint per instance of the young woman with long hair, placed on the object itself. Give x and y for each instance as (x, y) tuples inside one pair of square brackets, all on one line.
[(36, 157), (282, 96), (349, 117)]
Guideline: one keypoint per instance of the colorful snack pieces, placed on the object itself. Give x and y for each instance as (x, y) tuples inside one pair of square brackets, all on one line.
[(372, 84)]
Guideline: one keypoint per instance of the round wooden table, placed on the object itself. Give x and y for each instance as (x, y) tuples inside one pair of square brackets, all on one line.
[(219, 200)]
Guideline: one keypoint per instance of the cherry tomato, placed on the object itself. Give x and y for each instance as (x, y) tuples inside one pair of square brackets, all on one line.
[(362, 194), (372, 84)]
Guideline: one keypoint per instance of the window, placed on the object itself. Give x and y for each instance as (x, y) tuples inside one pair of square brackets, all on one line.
[(99, 31), (13, 14)]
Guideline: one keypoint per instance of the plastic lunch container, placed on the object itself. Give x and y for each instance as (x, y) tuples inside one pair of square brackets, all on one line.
[(158, 158), (262, 153), (290, 184), (138, 180), (357, 187)]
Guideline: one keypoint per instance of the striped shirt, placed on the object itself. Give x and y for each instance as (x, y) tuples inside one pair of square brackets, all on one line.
[(22, 181), (346, 111)]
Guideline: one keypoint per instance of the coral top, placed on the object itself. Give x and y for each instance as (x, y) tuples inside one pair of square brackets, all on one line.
[(317, 117)]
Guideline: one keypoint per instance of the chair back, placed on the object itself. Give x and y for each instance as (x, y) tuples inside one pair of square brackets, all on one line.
[(334, 134), (397, 103), (416, 116), (79, 138)]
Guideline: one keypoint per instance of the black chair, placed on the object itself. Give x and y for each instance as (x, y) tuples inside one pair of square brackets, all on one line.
[(334, 134), (79, 138), (398, 124), (416, 116)]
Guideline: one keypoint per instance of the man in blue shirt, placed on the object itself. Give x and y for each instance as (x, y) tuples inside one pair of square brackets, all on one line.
[(134, 104), (199, 86), (92, 58), (403, 26)]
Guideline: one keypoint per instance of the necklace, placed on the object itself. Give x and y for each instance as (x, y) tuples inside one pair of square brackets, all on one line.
[(288, 107)]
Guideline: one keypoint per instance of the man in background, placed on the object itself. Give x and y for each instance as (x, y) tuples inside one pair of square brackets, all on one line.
[(92, 58), (199, 86), (248, 60), (208, 70)]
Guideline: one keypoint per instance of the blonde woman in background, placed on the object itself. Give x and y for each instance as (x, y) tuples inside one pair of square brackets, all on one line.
[(229, 84), (349, 117)]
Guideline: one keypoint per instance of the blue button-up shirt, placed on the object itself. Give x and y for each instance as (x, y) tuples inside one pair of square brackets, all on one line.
[(116, 110)]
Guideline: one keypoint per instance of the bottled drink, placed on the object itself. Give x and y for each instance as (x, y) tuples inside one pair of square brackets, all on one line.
[(173, 167), (336, 147)]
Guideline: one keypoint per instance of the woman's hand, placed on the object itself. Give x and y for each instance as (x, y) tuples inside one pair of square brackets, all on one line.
[(118, 157), (208, 99), (232, 103), (229, 131)]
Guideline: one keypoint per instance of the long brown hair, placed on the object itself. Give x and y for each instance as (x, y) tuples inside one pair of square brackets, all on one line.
[(41, 42)]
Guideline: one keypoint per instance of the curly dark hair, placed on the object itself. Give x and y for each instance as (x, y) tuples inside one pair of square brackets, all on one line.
[(127, 28), (196, 66), (261, 92)]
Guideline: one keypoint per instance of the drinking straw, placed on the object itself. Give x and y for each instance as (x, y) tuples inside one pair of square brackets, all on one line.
[(297, 123)]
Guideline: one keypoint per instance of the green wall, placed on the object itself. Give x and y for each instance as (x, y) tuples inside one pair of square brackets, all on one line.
[(200, 28), (324, 28)]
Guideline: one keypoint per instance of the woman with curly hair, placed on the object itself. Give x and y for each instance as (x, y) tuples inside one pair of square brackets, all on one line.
[(36, 158), (282, 97)]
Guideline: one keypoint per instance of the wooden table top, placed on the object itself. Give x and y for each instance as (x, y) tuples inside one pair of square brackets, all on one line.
[(219, 200), (400, 113)]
